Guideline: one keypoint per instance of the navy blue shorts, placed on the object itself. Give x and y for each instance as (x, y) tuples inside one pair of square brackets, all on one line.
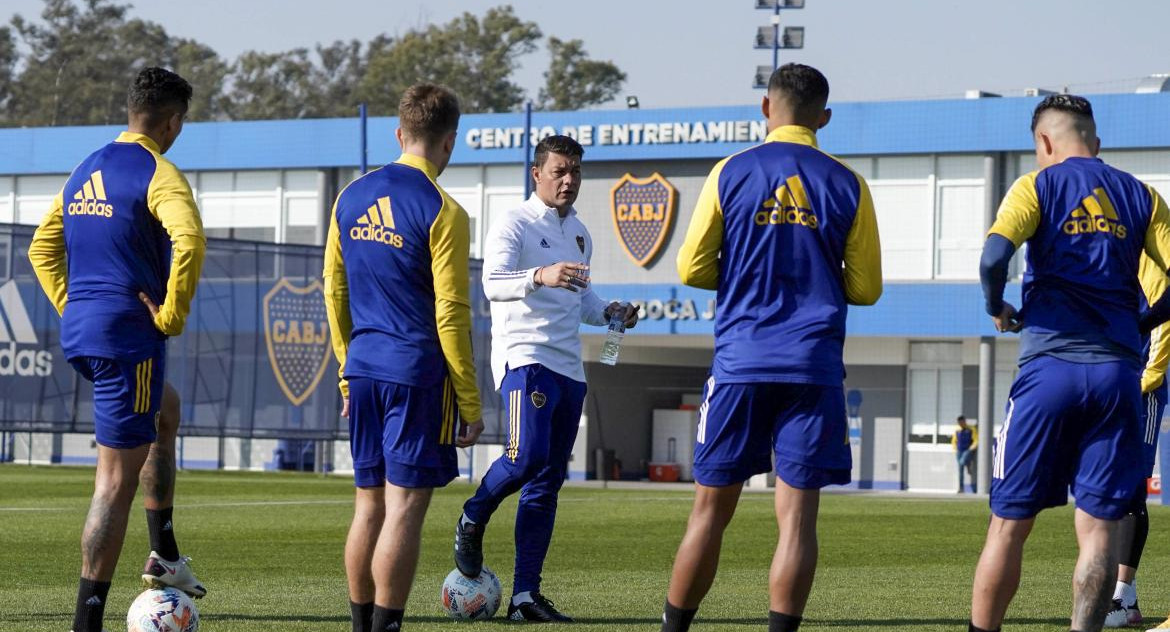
[(1069, 426), (402, 434), (127, 396), (741, 426), (1153, 405)]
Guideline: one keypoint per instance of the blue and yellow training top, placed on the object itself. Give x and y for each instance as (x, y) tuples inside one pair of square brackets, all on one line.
[(787, 235), (1086, 225), (397, 288), (124, 223)]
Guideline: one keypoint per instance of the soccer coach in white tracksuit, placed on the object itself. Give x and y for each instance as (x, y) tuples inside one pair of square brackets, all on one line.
[(536, 274)]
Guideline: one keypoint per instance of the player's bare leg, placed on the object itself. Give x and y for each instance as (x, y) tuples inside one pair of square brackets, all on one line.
[(795, 563), (396, 555), (369, 511), (1095, 573), (158, 473), (698, 554), (997, 576), (115, 484), (165, 566)]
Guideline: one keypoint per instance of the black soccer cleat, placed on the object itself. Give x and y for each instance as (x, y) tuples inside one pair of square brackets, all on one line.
[(539, 610), (469, 548)]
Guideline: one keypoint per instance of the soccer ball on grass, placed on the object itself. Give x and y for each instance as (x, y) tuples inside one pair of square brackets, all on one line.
[(162, 610), (467, 598)]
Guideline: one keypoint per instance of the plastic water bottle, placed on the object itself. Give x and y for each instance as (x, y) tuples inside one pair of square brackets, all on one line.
[(613, 338)]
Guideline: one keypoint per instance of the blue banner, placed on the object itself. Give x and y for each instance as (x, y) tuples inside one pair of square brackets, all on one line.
[(255, 359)]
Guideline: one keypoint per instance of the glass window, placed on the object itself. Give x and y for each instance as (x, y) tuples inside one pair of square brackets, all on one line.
[(905, 222), (960, 231), (936, 390)]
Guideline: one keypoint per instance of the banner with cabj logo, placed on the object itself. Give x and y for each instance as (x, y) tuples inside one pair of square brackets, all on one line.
[(255, 359)]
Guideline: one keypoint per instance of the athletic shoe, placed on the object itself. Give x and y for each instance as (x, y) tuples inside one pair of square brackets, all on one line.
[(539, 610), (160, 573), (1120, 616), (469, 548)]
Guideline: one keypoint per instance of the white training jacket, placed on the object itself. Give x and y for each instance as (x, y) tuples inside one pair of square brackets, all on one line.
[(531, 324)]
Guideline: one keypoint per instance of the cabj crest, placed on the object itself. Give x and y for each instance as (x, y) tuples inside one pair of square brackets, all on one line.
[(643, 209), (296, 328)]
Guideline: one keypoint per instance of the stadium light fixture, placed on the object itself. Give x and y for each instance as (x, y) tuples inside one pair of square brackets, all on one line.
[(632, 102), (763, 74), (783, 4), (770, 36)]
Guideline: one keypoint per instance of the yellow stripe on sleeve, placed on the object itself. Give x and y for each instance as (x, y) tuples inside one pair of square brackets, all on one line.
[(46, 253), (450, 246), (1157, 244), (863, 252), (170, 199), (698, 258), (1019, 213), (337, 299)]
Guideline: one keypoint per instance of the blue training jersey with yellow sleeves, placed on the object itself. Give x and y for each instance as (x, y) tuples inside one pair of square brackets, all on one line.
[(1086, 225), (1156, 347), (125, 222), (396, 282), (787, 236)]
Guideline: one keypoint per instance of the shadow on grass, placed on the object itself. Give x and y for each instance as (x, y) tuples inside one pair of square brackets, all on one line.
[(898, 623)]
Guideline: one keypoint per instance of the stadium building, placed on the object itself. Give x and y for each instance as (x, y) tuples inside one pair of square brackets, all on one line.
[(937, 170)]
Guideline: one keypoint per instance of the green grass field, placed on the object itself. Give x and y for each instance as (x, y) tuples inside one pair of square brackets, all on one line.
[(269, 547)]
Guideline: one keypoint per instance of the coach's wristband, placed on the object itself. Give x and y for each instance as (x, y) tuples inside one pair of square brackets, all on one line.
[(536, 277)]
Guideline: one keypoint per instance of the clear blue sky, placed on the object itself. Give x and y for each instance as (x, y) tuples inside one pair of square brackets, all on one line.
[(698, 52)]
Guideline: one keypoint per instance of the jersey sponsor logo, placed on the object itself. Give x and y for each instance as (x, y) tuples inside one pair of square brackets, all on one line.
[(296, 330), (377, 225), (643, 211), (788, 205), (16, 334), (1096, 214), (91, 199)]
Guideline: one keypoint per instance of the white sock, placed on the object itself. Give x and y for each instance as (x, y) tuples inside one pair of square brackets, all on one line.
[(1126, 593), (520, 598), (464, 521)]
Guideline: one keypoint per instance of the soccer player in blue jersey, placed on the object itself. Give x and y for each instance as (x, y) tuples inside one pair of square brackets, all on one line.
[(119, 255), (787, 236), (1135, 526), (1073, 410), (398, 297)]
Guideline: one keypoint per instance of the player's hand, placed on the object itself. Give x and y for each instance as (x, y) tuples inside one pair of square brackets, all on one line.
[(1008, 320), (566, 274), (149, 304), (345, 407), (629, 313), (469, 433)]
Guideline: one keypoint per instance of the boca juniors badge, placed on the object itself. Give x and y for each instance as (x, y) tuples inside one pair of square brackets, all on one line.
[(643, 210), (581, 243), (296, 329), (539, 399)]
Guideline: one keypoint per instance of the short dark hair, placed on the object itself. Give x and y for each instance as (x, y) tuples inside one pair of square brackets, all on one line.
[(158, 93), (1070, 103), (556, 144), (804, 87), (428, 112), (961, 418)]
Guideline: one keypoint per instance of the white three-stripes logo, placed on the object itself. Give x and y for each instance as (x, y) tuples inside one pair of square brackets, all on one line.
[(16, 324), (16, 328)]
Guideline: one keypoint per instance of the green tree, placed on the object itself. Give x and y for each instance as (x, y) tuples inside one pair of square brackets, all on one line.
[(270, 85), (82, 56), (476, 57), (8, 58), (573, 81)]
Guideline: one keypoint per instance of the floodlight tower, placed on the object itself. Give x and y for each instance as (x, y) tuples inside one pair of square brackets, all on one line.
[(771, 37)]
